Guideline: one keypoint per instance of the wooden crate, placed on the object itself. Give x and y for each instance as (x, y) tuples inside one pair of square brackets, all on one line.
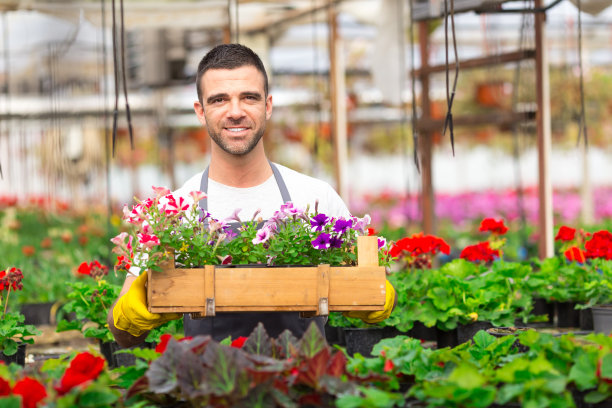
[(315, 290)]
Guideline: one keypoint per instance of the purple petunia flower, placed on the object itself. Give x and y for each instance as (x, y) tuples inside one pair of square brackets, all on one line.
[(262, 236), (336, 242), (381, 242), (342, 225), (362, 223), (318, 222), (322, 241)]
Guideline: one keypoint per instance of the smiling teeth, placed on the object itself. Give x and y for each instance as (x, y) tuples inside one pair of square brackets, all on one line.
[(236, 129)]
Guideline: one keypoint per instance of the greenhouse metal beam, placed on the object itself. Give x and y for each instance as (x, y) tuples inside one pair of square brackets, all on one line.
[(514, 56), (501, 119), (545, 213)]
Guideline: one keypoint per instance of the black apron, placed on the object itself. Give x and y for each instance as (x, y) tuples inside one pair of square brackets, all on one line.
[(242, 323)]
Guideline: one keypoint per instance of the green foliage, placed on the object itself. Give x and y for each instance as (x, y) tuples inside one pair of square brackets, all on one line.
[(90, 301), (266, 372), (13, 332)]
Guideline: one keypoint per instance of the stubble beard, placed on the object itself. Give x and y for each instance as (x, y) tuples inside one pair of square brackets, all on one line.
[(236, 150)]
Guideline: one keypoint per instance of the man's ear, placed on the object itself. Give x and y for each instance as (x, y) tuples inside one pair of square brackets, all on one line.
[(269, 107), (199, 110)]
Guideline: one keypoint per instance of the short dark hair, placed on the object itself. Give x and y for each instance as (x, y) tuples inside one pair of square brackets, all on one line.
[(229, 56)]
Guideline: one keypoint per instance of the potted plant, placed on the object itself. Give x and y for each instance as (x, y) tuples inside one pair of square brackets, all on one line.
[(173, 239), (90, 301), (14, 334)]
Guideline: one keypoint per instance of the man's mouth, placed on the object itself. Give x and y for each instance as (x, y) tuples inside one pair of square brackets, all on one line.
[(240, 129)]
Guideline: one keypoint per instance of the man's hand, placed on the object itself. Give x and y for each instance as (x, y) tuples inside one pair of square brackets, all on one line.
[(130, 313), (378, 316)]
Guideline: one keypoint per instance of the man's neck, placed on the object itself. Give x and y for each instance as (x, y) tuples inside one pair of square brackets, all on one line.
[(239, 171)]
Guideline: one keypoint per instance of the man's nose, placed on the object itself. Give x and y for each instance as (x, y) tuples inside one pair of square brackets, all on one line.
[(235, 109)]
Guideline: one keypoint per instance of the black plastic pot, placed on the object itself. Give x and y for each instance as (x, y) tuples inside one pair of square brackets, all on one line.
[(362, 340), (422, 332), (335, 335), (465, 332), (446, 338), (17, 358), (543, 307), (586, 319), (114, 360), (510, 331), (602, 319), (39, 313), (567, 315)]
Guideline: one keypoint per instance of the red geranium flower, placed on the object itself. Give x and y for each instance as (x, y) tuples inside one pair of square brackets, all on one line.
[(479, 252), (163, 342), (575, 254), (239, 342), (565, 234), (31, 391), (388, 366), (419, 244), (600, 245), (84, 269), (496, 227), (28, 250), (5, 387), (11, 278), (83, 368)]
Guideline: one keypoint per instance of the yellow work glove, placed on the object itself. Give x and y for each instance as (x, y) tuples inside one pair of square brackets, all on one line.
[(130, 313), (378, 316)]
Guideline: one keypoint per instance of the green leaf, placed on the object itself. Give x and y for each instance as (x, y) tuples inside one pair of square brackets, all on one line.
[(225, 370), (312, 342), (583, 372), (9, 347), (10, 402), (606, 366), (467, 376), (258, 342), (162, 374), (97, 397), (483, 339)]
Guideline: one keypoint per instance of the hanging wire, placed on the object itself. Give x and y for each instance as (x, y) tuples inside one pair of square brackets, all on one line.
[(415, 135), (582, 125), (116, 76), (123, 72), (448, 122)]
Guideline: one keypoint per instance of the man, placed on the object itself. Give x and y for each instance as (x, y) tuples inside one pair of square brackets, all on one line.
[(234, 105)]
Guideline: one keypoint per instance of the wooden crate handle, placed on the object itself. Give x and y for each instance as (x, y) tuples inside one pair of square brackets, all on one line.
[(367, 251)]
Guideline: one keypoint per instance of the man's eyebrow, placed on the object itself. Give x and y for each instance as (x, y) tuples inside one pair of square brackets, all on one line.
[(254, 94), (211, 98)]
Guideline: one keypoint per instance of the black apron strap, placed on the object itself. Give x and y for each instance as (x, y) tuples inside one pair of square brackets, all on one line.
[(242, 324), (282, 187)]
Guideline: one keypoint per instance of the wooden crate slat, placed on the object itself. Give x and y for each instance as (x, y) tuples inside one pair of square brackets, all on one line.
[(214, 289)]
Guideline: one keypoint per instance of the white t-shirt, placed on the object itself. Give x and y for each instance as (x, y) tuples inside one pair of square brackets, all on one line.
[(304, 191)]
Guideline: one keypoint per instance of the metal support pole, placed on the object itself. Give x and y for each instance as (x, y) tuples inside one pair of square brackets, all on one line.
[(425, 139), (338, 121), (545, 215)]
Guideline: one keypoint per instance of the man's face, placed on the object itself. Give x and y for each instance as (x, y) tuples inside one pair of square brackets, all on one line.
[(234, 108)]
